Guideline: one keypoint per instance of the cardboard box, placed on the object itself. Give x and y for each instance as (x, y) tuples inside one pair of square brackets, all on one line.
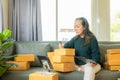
[(25, 57), (40, 76), (114, 67), (50, 55), (113, 59), (113, 62), (63, 58), (113, 51), (64, 51), (118, 79), (111, 67), (61, 66), (21, 65), (64, 67)]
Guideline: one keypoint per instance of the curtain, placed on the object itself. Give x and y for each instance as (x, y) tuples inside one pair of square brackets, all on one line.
[(25, 20), (1, 17)]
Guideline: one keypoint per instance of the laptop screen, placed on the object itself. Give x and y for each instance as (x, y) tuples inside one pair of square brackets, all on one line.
[(44, 60)]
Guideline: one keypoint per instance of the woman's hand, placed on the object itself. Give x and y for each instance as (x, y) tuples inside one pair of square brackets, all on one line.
[(78, 68), (61, 45)]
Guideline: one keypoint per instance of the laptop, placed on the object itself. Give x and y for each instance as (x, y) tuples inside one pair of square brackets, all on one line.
[(45, 62), (85, 59)]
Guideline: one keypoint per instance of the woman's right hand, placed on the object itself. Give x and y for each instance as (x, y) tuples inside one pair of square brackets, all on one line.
[(61, 45)]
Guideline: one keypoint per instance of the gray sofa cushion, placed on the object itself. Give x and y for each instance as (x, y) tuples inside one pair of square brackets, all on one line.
[(36, 48)]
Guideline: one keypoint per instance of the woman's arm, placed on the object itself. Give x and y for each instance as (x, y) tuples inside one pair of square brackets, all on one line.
[(95, 50)]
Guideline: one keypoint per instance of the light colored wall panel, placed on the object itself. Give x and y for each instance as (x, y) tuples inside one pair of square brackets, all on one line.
[(101, 19), (5, 12)]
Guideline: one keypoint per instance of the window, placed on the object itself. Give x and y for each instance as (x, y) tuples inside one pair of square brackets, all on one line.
[(115, 20), (48, 18), (68, 10), (58, 17)]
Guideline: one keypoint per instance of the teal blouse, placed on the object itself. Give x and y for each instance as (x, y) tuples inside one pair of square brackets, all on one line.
[(90, 51)]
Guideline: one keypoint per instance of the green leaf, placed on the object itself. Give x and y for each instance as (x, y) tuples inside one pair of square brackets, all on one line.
[(8, 57), (1, 36), (6, 45), (3, 59), (7, 33), (9, 65)]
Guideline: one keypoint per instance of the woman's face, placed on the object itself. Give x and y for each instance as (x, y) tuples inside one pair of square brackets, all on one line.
[(79, 27)]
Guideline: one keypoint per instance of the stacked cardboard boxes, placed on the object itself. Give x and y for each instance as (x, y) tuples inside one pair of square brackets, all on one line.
[(23, 61), (113, 59), (62, 59)]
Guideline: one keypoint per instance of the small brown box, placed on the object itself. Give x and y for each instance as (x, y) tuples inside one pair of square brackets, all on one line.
[(113, 62), (113, 59), (63, 58), (21, 65), (114, 67), (64, 67), (111, 67), (64, 51), (43, 76), (25, 57), (113, 51)]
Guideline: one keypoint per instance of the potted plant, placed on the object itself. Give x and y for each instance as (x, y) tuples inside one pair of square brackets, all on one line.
[(5, 43)]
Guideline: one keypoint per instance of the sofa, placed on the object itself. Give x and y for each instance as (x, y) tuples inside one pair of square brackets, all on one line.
[(41, 48)]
